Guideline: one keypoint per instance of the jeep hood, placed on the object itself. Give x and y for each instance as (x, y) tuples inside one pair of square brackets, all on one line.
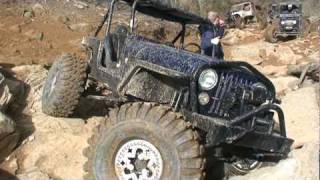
[(165, 56)]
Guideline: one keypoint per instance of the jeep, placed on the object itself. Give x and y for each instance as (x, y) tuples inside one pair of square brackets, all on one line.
[(174, 109), (240, 14), (285, 20)]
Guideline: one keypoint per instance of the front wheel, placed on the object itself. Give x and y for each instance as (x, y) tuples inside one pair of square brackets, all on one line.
[(144, 141), (63, 87), (239, 22), (241, 167)]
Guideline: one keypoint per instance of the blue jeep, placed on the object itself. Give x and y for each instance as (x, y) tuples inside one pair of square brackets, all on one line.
[(175, 109)]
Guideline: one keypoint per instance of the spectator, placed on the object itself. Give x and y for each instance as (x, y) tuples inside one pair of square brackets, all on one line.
[(211, 33)]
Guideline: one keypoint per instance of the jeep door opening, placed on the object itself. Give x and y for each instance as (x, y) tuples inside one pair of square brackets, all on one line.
[(175, 108)]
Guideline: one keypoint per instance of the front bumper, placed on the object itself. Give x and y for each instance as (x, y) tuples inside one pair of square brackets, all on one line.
[(221, 131)]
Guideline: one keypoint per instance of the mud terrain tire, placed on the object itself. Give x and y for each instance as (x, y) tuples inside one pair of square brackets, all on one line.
[(176, 142), (270, 34), (63, 87)]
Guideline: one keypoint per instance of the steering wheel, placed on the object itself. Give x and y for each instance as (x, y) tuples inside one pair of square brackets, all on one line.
[(193, 45)]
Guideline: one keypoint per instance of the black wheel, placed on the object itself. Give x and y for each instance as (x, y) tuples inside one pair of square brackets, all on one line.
[(239, 22), (244, 166), (63, 87), (144, 141), (270, 34), (241, 167)]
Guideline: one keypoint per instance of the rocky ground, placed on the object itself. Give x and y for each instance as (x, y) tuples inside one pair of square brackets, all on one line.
[(33, 35)]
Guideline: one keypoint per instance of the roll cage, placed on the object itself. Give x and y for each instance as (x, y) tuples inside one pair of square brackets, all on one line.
[(136, 6)]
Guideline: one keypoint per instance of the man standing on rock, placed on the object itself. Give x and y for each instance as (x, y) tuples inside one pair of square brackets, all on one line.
[(211, 33)]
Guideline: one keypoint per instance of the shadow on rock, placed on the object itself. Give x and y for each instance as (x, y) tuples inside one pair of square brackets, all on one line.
[(91, 107), (7, 176), (15, 93)]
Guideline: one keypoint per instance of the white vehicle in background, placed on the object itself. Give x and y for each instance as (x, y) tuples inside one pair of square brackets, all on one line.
[(240, 14)]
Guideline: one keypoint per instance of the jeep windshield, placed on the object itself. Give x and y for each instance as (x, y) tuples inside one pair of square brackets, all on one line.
[(290, 8)]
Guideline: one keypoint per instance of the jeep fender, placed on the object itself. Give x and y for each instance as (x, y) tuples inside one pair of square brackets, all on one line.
[(153, 83), (237, 14)]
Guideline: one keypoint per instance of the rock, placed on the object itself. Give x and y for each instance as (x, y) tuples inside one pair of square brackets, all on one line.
[(10, 165), (15, 28), (235, 36), (34, 175), (284, 84), (301, 164), (302, 121), (271, 70), (9, 137), (80, 4), (39, 36), (63, 19), (38, 8), (33, 34), (265, 53), (301, 111), (312, 70), (277, 54), (81, 27), (28, 13), (262, 53), (31, 138)]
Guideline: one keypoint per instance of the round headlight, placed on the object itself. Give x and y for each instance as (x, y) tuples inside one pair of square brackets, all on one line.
[(283, 22), (208, 79), (203, 98)]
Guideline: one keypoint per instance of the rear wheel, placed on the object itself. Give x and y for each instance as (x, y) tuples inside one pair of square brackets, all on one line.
[(270, 34), (144, 141), (63, 87)]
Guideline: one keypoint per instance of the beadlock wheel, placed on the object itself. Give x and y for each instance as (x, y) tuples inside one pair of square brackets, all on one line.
[(138, 159), (241, 167), (246, 165), (144, 141)]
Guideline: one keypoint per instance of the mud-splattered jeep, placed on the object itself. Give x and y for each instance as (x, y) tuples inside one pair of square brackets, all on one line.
[(176, 109), (285, 20)]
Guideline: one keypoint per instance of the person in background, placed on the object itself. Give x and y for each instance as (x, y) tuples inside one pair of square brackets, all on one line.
[(211, 33)]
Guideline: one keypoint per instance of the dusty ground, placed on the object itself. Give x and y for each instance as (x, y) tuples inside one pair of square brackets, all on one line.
[(52, 147)]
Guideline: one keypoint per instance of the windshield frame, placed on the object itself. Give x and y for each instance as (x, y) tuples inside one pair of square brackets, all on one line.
[(113, 3)]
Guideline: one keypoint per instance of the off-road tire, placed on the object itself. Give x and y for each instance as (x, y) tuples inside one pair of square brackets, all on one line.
[(239, 22), (270, 33), (231, 170), (166, 130), (64, 86)]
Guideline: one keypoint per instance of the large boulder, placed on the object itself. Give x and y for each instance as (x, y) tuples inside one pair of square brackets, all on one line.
[(301, 110), (10, 91), (262, 52)]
